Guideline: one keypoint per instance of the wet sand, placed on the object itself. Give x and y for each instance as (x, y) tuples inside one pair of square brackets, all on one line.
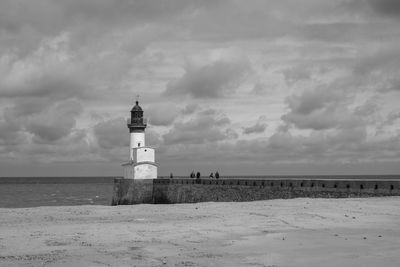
[(293, 232)]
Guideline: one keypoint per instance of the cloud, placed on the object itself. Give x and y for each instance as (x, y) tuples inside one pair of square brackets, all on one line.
[(162, 114), (10, 134), (312, 100), (330, 98), (111, 140), (206, 126), (153, 138), (393, 116), (49, 134), (386, 7), (293, 75), (368, 108), (214, 80), (190, 109), (112, 133), (337, 146), (54, 123), (387, 123), (53, 86), (284, 142), (287, 152), (335, 32), (47, 72), (312, 110), (322, 108), (89, 20), (319, 120), (385, 59), (47, 123), (259, 127), (380, 68), (259, 89)]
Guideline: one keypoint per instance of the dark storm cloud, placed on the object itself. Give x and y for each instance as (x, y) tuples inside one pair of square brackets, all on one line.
[(218, 79)]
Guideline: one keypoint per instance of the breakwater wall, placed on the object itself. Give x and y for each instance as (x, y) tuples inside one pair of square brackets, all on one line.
[(163, 191)]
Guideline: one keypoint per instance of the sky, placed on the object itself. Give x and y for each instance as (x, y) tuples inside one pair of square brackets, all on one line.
[(280, 87)]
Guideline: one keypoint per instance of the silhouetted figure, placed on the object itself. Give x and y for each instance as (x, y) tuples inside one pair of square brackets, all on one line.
[(216, 175), (192, 175), (198, 181), (211, 175), (171, 175)]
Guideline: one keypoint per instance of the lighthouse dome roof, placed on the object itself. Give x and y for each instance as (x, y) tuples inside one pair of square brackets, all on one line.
[(137, 107)]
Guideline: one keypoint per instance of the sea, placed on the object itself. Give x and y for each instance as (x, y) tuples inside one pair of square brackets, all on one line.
[(26, 192)]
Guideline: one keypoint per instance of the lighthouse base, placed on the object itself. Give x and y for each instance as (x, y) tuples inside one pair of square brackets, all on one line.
[(130, 191), (142, 170)]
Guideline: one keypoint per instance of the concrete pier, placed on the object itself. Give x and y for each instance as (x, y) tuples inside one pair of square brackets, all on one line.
[(158, 191)]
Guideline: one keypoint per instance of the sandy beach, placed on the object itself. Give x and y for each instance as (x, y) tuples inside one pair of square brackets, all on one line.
[(294, 232)]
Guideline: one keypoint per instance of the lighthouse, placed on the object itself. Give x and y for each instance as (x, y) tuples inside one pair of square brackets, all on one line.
[(141, 163)]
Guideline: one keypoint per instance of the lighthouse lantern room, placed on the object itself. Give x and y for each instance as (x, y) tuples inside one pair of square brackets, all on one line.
[(141, 163)]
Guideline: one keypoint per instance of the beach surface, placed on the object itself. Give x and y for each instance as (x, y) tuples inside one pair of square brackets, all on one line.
[(292, 232)]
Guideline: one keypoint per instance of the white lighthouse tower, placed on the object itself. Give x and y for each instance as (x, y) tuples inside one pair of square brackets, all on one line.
[(141, 163)]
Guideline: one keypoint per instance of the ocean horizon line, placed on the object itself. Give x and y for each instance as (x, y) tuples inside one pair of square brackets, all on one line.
[(110, 179)]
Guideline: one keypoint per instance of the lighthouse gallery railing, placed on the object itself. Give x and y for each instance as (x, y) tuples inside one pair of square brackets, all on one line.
[(140, 121)]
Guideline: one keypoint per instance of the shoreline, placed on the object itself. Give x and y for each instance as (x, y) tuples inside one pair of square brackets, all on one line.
[(290, 232)]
